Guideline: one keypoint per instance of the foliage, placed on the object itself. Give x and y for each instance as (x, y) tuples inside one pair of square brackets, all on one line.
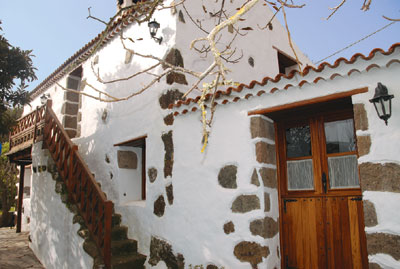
[(15, 64), (8, 190)]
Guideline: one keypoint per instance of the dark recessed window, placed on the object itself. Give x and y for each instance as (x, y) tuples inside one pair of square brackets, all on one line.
[(286, 64)]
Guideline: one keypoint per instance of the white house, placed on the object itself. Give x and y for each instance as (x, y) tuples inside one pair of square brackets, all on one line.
[(298, 171)]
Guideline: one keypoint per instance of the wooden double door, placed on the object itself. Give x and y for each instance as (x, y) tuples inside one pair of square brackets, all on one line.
[(322, 222)]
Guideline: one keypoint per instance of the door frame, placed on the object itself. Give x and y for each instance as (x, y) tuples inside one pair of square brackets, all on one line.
[(341, 107)]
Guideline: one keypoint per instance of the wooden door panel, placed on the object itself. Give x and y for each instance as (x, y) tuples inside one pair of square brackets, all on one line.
[(344, 229), (321, 227), (303, 234)]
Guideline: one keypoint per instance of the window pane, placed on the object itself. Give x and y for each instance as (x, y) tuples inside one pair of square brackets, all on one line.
[(298, 142), (340, 136), (343, 172), (300, 175)]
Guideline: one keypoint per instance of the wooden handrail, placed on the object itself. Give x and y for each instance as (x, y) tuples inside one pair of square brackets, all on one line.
[(29, 128), (83, 190)]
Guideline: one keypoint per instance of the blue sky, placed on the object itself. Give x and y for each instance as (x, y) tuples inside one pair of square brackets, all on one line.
[(55, 30)]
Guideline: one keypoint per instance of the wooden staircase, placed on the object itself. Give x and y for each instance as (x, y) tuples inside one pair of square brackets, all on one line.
[(105, 238)]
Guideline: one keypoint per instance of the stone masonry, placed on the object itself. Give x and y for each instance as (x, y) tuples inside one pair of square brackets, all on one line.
[(375, 177), (71, 107)]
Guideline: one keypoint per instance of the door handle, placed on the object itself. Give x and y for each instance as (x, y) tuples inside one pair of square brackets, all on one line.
[(324, 182)]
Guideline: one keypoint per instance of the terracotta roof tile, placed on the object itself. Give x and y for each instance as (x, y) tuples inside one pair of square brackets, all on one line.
[(372, 66), (352, 71), (323, 66), (392, 62)]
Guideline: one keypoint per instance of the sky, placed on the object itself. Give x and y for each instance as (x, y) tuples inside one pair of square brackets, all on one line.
[(55, 30)]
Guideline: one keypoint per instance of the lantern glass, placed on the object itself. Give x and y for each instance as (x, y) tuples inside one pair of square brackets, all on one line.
[(382, 102), (43, 99), (153, 27)]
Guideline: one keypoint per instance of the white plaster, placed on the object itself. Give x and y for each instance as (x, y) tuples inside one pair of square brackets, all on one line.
[(384, 260), (193, 225), (387, 214), (55, 241)]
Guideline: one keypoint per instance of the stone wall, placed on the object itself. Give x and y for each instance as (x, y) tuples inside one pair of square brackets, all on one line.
[(70, 111), (380, 184), (264, 176)]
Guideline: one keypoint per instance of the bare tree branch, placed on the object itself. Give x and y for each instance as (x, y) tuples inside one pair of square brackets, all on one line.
[(390, 19)]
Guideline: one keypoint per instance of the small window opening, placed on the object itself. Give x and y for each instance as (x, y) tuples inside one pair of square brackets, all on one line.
[(132, 179), (286, 63)]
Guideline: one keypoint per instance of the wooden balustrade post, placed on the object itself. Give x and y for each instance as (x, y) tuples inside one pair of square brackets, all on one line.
[(20, 196), (71, 175), (36, 122), (108, 208), (49, 103)]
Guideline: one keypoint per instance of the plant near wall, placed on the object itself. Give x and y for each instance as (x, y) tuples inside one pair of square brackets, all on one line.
[(8, 189), (15, 64), (207, 81)]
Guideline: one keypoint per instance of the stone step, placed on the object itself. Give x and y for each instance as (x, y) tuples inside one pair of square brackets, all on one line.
[(135, 261), (123, 247), (119, 233), (116, 220)]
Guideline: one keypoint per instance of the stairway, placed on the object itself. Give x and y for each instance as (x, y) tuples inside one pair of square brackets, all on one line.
[(105, 238)]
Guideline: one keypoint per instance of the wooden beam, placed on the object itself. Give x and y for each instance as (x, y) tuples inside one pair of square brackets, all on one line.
[(135, 142), (20, 196), (311, 101)]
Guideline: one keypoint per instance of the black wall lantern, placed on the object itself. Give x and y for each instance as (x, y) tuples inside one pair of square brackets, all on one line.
[(382, 102), (153, 28), (44, 98)]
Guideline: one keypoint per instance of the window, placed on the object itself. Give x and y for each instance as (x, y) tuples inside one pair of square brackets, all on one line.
[(286, 63), (131, 177)]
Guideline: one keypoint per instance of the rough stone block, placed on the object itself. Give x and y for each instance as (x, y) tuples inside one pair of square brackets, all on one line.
[(159, 206), (227, 177), (380, 177), (370, 217), (229, 227), (173, 57), (181, 17), (170, 194), (267, 202), (170, 97), (169, 153), (70, 122), (363, 144), (245, 203), (251, 252), (127, 159), (269, 178), (260, 127), (73, 83), (265, 153), (71, 133), (169, 119), (175, 77), (266, 228), (71, 97), (360, 117), (254, 178), (70, 109), (384, 243), (161, 250), (152, 173)]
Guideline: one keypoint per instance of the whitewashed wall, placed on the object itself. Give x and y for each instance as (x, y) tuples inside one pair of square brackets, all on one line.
[(55, 241), (193, 224)]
